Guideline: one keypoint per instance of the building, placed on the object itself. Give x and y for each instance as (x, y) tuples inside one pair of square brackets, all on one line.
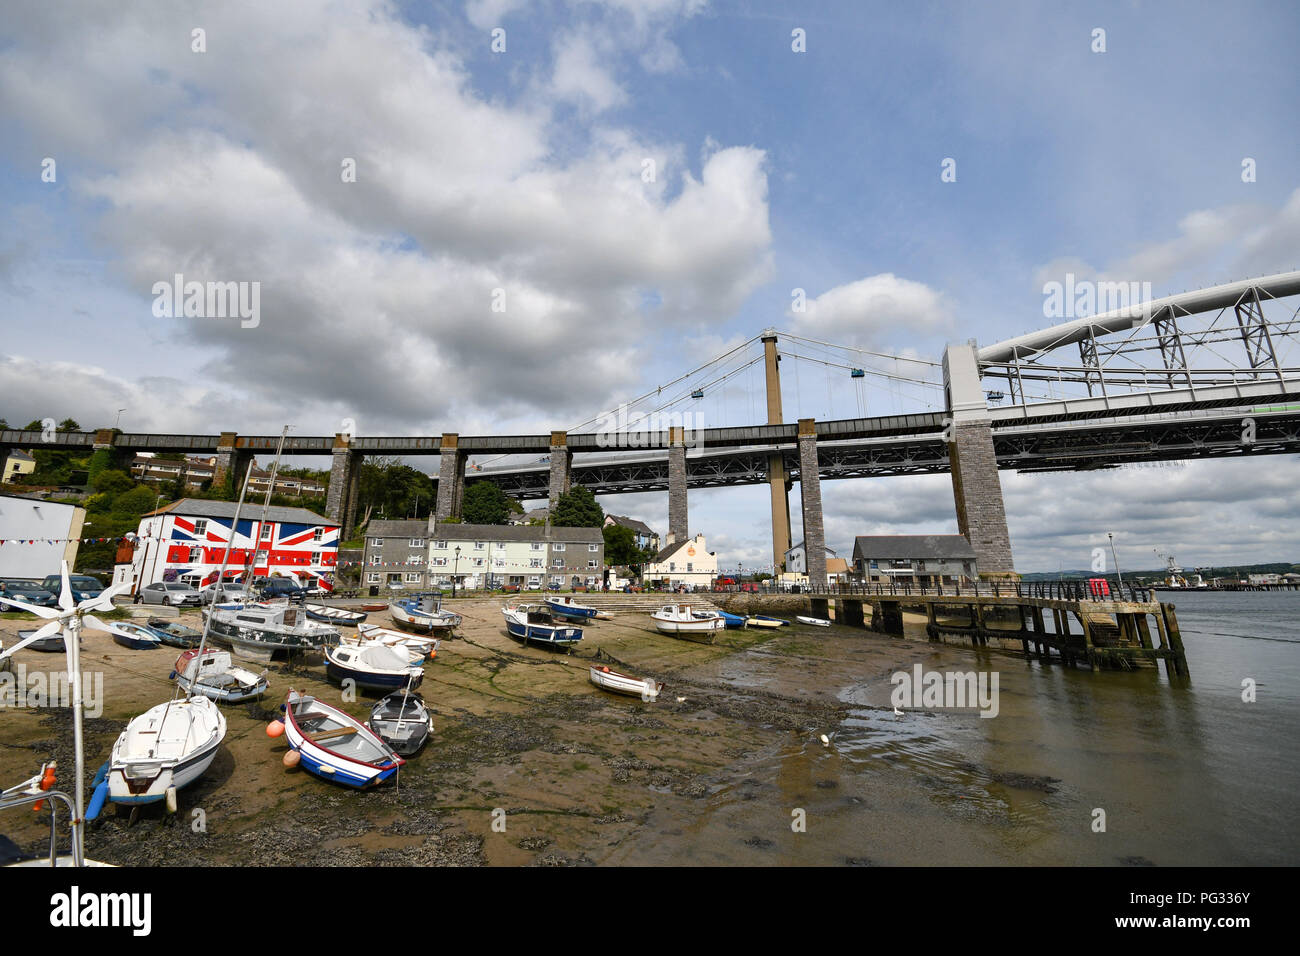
[(187, 540), (646, 538), (159, 471), (37, 536), (914, 559), (683, 563), (18, 463), (424, 554), (796, 559), (291, 486), (535, 516), (837, 571)]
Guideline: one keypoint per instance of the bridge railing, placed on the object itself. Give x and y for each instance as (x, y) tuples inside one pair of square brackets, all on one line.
[(1049, 590)]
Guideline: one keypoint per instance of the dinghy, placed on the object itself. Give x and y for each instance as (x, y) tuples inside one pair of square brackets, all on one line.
[(535, 623), (733, 621), (164, 749), (173, 633), (681, 620), (568, 607), (372, 608), (335, 745), (402, 721), (814, 621), (214, 675), (53, 643), (261, 630), (420, 647), (612, 680), (423, 614), (334, 615), (372, 666), (762, 620), (135, 636)]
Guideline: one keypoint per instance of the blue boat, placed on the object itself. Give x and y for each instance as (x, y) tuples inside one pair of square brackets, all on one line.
[(734, 621), (536, 623), (372, 666), (355, 757), (135, 636), (568, 607)]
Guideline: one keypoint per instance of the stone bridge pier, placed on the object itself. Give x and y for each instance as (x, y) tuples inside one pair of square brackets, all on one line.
[(344, 486), (451, 477)]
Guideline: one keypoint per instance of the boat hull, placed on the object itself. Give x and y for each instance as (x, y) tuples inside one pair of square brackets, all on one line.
[(329, 765), (369, 680), (180, 771), (629, 686)]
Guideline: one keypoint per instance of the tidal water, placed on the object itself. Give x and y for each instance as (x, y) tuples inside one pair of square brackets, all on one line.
[(1087, 768)]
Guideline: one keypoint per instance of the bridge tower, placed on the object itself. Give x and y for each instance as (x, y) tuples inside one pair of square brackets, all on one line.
[(775, 464), (976, 487)]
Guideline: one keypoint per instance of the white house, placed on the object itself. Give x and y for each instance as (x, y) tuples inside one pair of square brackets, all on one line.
[(525, 556), (37, 536), (688, 563)]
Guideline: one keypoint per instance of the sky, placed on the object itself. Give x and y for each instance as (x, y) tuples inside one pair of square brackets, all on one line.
[(563, 204)]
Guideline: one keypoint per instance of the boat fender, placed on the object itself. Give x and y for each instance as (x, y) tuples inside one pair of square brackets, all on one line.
[(100, 775), (275, 728), (291, 759), (171, 676), (604, 670), (171, 799), (97, 798)]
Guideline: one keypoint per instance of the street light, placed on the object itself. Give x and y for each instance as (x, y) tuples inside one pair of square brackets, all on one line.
[(455, 571), (1118, 573)]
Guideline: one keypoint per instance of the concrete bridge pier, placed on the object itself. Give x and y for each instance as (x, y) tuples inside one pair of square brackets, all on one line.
[(810, 492), (344, 486), (451, 477), (853, 613), (232, 462), (561, 466), (887, 618), (678, 523)]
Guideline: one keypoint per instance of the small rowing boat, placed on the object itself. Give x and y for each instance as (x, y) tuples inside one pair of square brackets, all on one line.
[(419, 648), (762, 620), (173, 633), (402, 721), (814, 621), (135, 636), (568, 607), (734, 621), (536, 624), (215, 675), (335, 745), (611, 680), (48, 644), (334, 615)]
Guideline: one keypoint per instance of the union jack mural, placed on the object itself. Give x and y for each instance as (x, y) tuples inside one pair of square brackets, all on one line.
[(180, 545)]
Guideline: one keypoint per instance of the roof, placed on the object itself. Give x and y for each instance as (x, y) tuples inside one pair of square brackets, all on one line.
[(906, 546), (668, 550), (20, 455), (836, 566), (515, 532), (796, 547), (203, 508), (405, 528), (626, 522)]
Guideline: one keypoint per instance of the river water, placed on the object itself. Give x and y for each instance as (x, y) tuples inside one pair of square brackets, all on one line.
[(1077, 767)]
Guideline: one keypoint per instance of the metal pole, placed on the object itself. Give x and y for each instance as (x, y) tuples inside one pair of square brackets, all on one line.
[(1118, 573)]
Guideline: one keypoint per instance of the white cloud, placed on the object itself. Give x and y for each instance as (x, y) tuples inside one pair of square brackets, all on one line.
[(863, 311)]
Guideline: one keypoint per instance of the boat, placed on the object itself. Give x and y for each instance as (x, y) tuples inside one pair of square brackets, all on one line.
[(34, 792), (334, 615), (215, 675), (607, 679), (372, 666), (164, 749), (423, 614), (261, 630), (135, 636), (763, 620), (421, 648), (402, 721), (814, 621), (53, 643), (733, 621), (681, 620), (174, 633), (335, 745), (536, 623), (371, 608), (568, 607)]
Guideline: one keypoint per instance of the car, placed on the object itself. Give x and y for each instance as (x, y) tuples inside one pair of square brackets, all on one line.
[(83, 586), (29, 592), (282, 587), (172, 593), (231, 591)]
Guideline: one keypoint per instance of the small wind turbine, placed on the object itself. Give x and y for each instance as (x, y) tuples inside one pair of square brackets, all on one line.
[(70, 618)]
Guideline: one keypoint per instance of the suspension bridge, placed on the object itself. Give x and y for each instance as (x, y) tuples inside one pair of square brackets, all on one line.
[(1204, 374)]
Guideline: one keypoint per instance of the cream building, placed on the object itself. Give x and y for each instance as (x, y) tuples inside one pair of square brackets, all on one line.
[(688, 563)]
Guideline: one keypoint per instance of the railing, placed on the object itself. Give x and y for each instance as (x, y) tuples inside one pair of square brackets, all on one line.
[(1049, 590)]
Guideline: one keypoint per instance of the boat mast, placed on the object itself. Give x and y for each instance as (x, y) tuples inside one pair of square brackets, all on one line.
[(266, 504)]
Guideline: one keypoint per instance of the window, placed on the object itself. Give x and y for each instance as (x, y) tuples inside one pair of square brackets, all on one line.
[(438, 562), (317, 535), (672, 565), (374, 577), (417, 542), (690, 566), (201, 527), (267, 530), (479, 545), (557, 547), (536, 546), (376, 560), (376, 542), (440, 545), (557, 563), (534, 562), (478, 562), (591, 563), (415, 559), (260, 558), (196, 555), (316, 559), (413, 577)]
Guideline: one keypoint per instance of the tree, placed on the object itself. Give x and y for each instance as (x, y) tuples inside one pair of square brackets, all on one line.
[(112, 482), (69, 425), (134, 502), (484, 503), (620, 546), (577, 509)]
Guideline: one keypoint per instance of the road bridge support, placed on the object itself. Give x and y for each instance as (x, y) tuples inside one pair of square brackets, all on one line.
[(232, 462), (678, 522), (561, 466), (810, 492), (776, 478), (344, 486), (451, 477), (976, 487)]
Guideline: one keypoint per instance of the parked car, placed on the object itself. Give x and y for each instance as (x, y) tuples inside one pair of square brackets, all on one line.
[(231, 591), (172, 593), (29, 592), (281, 587), (83, 586)]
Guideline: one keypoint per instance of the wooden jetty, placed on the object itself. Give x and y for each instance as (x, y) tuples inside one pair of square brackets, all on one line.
[(1121, 629)]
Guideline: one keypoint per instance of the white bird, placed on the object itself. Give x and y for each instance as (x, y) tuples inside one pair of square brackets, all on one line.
[(826, 741), (681, 700)]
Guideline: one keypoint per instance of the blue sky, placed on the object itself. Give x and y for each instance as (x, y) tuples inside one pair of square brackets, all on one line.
[(521, 170)]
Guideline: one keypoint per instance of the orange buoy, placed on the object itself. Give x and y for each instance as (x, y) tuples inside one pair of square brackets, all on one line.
[(275, 728), (604, 670), (291, 758)]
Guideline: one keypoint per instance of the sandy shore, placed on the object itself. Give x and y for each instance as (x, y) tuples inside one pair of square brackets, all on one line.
[(713, 772)]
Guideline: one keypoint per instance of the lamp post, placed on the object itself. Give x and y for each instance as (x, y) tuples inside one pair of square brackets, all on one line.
[(455, 571), (1118, 574)]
